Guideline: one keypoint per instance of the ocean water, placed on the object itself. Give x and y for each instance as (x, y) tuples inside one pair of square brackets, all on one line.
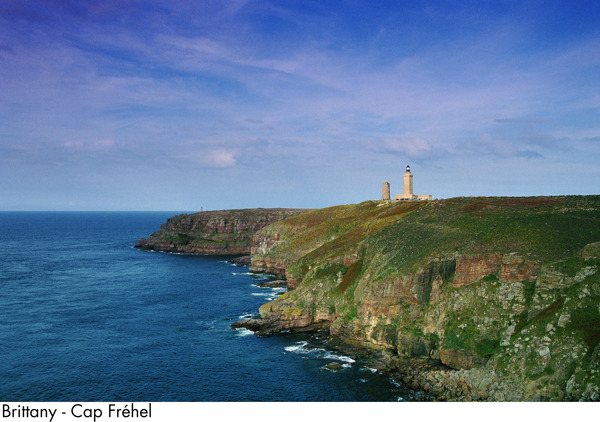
[(84, 316)]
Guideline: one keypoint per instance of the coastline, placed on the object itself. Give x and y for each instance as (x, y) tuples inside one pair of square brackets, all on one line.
[(451, 297)]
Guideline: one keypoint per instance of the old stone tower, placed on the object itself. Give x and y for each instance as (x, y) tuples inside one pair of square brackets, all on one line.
[(385, 196), (407, 194)]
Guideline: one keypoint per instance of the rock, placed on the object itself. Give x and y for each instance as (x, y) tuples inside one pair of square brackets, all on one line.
[(262, 327), (461, 359), (412, 346), (381, 360), (273, 283), (484, 384), (433, 281), (591, 250), (544, 353), (516, 268), (241, 261), (334, 366), (564, 319), (225, 232), (470, 269)]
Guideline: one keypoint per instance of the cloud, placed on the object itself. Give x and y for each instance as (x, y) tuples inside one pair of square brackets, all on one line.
[(213, 85), (486, 144), (214, 158), (545, 141), (413, 148), (100, 145), (221, 158)]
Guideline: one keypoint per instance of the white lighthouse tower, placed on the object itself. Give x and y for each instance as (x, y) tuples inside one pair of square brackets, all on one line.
[(408, 194)]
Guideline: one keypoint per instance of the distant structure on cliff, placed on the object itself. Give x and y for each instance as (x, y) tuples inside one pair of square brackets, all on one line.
[(407, 194)]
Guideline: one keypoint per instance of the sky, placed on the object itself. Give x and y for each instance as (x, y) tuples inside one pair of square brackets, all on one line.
[(177, 105)]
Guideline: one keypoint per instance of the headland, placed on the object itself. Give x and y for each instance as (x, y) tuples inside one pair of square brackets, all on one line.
[(468, 299)]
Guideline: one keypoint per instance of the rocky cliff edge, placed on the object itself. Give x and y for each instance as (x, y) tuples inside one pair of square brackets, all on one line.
[(225, 232), (464, 298)]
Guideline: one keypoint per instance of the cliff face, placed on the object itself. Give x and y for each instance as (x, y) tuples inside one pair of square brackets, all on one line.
[(227, 232), (505, 292)]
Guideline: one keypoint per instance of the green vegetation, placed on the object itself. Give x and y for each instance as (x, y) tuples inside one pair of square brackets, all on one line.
[(350, 276), (487, 347), (389, 276), (528, 291), (587, 321)]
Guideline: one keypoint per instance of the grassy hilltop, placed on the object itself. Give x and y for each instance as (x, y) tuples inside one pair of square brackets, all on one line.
[(505, 292)]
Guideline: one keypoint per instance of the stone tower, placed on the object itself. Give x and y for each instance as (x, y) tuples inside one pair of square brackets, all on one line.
[(408, 183), (385, 196)]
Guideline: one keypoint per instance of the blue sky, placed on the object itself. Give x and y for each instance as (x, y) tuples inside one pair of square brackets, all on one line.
[(176, 105)]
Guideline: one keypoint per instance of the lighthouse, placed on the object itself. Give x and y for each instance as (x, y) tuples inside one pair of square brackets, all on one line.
[(408, 183), (407, 193)]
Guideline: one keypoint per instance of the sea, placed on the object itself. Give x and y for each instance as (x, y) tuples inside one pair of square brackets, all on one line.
[(84, 316)]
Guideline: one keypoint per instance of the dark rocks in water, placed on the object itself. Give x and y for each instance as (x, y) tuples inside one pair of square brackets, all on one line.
[(262, 327), (241, 261), (270, 326), (334, 366), (273, 283)]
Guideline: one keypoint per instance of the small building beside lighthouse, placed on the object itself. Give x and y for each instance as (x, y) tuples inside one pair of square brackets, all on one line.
[(407, 194)]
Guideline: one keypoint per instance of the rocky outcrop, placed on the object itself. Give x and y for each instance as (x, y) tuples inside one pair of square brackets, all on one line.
[(465, 299), (591, 250), (470, 269), (269, 266), (461, 359), (227, 232)]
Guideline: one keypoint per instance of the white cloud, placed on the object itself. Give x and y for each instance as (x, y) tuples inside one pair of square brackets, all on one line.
[(412, 148), (221, 158), (214, 158)]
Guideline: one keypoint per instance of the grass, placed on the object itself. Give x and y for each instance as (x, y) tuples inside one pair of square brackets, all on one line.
[(323, 236), (487, 347), (572, 265), (528, 291), (349, 250), (351, 275), (587, 321)]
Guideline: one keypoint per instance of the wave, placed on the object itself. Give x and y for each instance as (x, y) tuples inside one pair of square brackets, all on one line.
[(272, 295), (298, 347), (304, 348), (229, 263), (341, 358), (255, 276), (243, 332)]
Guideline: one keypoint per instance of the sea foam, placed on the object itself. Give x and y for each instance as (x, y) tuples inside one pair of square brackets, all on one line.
[(243, 332), (303, 347)]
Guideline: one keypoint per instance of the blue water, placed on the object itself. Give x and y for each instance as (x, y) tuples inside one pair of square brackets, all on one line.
[(86, 317)]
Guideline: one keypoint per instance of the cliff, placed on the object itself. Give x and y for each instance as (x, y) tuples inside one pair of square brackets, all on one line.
[(227, 232), (465, 298)]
